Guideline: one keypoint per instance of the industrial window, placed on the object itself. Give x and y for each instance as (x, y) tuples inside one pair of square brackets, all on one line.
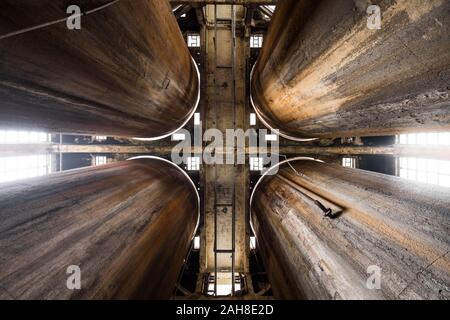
[(256, 164), (224, 286), (252, 243), (12, 136), (22, 167), (253, 119), (193, 40), (433, 138), (100, 138), (225, 289), (256, 41), (430, 171), (349, 162), (178, 137), (271, 137), (193, 163), (197, 243), (271, 8), (100, 160), (197, 119)]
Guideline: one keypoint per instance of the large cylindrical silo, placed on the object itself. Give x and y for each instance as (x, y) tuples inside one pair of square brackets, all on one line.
[(127, 226), (126, 72), (326, 232), (329, 69)]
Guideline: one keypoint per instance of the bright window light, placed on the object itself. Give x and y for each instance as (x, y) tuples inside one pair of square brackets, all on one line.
[(426, 138), (256, 41), (193, 163), (271, 137), (224, 286), (178, 137), (193, 40), (256, 164), (429, 171), (222, 289), (253, 119), (197, 120), (22, 167), (197, 243), (100, 160), (12, 136), (100, 138), (349, 162), (252, 243)]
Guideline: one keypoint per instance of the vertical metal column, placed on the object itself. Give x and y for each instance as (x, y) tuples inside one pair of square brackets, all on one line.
[(215, 165), (233, 214)]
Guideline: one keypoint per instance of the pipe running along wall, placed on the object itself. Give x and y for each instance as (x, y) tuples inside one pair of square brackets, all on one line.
[(128, 226), (126, 72), (323, 73), (376, 225)]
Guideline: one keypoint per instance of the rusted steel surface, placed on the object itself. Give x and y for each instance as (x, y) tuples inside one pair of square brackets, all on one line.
[(128, 226), (399, 226), (127, 72), (323, 73)]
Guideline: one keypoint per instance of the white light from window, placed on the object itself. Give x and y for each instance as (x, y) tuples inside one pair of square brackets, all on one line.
[(197, 243), (256, 41), (100, 160), (253, 119), (349, 162), (430, 171), (252, 243), (193, 40), (428, 138), (271, 8), (271, 137), (222, 289), (178, 137), (197, 120), (224, 286), (100, 138), (193, 163), (22, 167), (256, 164), (14, 136)]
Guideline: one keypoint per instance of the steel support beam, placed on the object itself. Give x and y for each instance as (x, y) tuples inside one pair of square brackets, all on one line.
[(376, 223), (427, 152), (323, 72), (127, 225), (126, 72), (235, 2)]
